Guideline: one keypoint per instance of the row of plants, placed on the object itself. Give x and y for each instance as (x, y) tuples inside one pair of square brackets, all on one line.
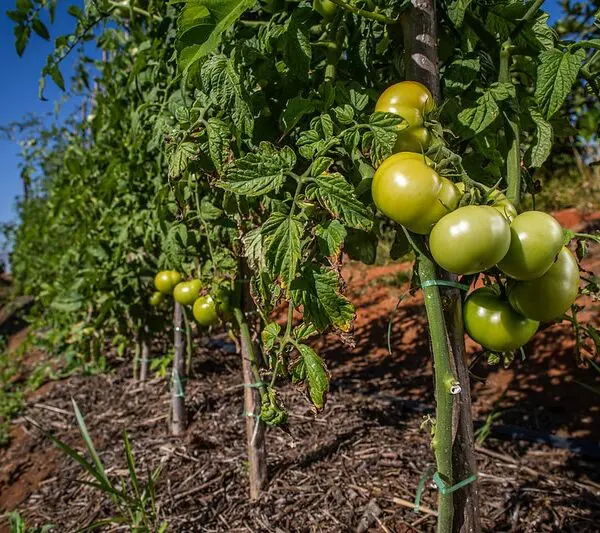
[(232, 153)]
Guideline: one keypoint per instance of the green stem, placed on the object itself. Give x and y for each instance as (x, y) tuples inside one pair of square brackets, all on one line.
[(445, 380), (511, 131), (513, 161), (247, 340), (363, 13), (531, 12), (188, 343)]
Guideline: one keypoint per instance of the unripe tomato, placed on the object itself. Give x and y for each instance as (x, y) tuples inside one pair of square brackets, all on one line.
[(498, 200), (492, 322), (205, 311), (447, 201), (403, 95), (550, 295), (187, 292), (470, 239), (415, 139), (163, 282), (406, 190), (175, 277), (326, 8), (156, 298), (222, 297), (536, 238)]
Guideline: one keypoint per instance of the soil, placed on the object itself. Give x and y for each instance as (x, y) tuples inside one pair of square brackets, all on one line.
[(354, 466)]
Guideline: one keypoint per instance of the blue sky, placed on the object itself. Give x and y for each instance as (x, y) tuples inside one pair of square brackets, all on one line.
[(18, 91)]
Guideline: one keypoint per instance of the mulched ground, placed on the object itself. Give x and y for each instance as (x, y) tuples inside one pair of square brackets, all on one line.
[(353, 467)]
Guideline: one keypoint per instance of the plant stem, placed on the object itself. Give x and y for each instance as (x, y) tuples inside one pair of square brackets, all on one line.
[(188, 344), (444, 380), (363, 13), (511, 132)]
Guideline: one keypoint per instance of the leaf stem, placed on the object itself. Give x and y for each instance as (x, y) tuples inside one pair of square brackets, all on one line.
[(364, 13)]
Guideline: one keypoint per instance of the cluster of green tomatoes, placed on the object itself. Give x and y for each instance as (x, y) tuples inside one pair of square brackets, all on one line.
[(541, 274), (207, 308)]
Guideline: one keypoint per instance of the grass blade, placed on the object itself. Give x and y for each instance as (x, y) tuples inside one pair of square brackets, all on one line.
[(88, 442), (131, 464)]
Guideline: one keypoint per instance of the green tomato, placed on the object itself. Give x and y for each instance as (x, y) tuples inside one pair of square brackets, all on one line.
[(326, 8), (406, 190), (175, 277), (491, 321), (416, 139), (156, 299), (550, 295), (163, 282), (470, 239), (406, 95), (535, 241), (205, 311), (187, 292), (499, 201)]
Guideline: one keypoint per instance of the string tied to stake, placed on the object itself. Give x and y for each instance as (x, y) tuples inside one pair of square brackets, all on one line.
[(441, 485), (444, 283), (176, 380)]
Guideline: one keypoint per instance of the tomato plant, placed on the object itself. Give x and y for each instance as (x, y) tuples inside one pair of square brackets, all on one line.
[(249, 165)]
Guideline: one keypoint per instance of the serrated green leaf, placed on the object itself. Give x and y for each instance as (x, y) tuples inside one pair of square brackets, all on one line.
[(478, 118), (297, 51), (336, 195), (269, 335), (345, 114), (208, 211), (221, 80), (282, 241), (179, 159), (295, 109), (320, 165), (259, 172), (541, 145), (316, 375), (318, 291), (556, 75), (253, 249), (457, 10), (218, 142), (461, 73), (201, 25), (502, 91), (330, 236)]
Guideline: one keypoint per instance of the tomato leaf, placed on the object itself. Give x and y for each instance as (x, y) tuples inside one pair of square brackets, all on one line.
[(336, 195), (201, 25), (478, 118), (330, 236), (260, 172), (541, 145), (556, 74), (318, 291), (282, 239), (316, 375), (218, 142)]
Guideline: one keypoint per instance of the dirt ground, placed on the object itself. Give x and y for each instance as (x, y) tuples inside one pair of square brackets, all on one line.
[(353, 467)]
